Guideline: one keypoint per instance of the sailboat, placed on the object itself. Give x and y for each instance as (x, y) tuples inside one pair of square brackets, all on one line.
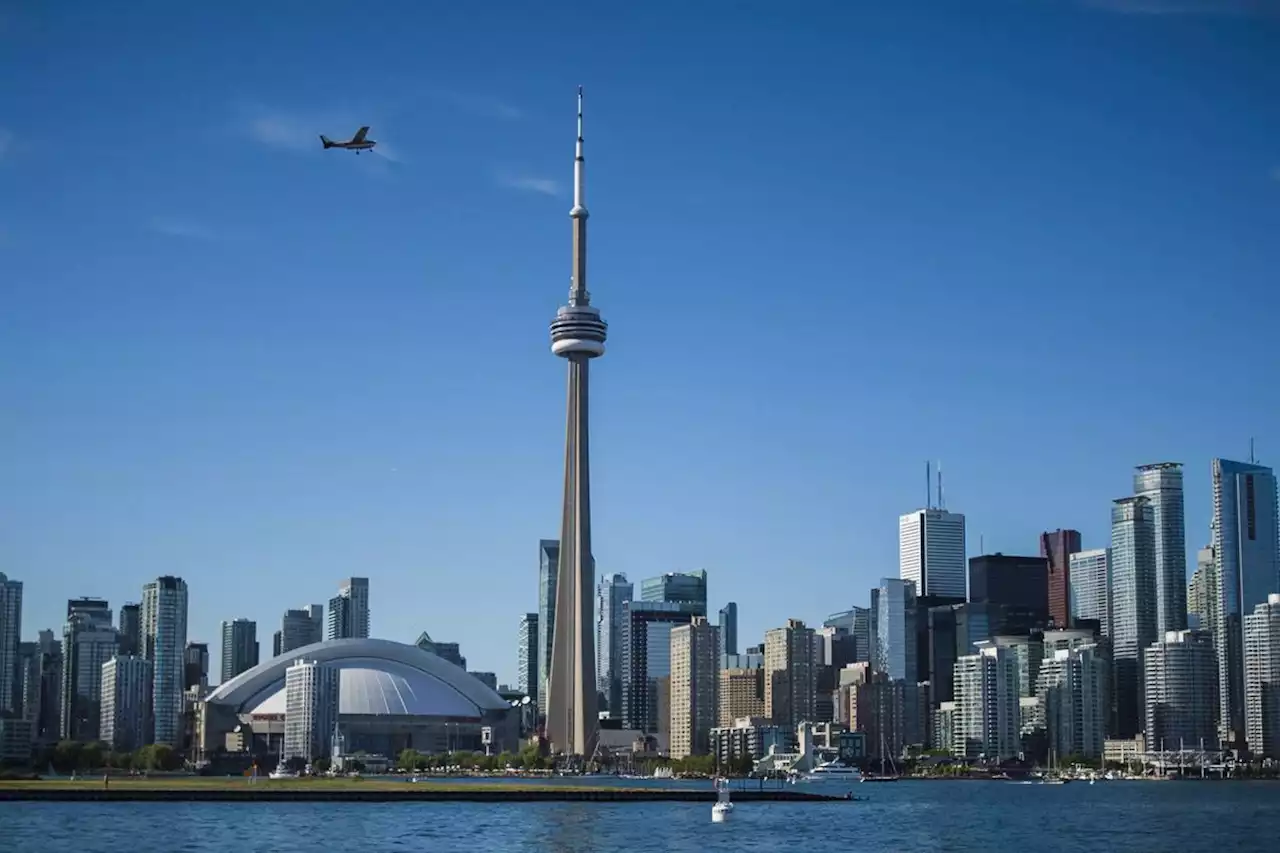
[(882, 776)]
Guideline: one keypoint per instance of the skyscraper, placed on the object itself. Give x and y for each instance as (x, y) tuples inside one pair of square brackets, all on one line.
[(311, 708), (729, 629), (931, 552), (578, 335), (895, 629), (195, 665), (987, 720), (1244, 542), (349, 610), (298, 628), (1019, 585), (1057, 547), (790, 674), (1089, 593), (1072, 689), (130, 629), (646, 658), (11, 683), (1200, 592), (695, 671), (527, 655), (239, 647), (88, 641), (1262, 678), (1133, 606), (163, 620), (548, 569), (1161, 484), (855, 621), (127, 693), (687, 587), (1181, 691), (615, 591)]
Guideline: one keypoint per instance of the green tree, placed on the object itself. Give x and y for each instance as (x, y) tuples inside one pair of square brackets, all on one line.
[(321, 765), (409, 759), (66, 756), (297, 764)]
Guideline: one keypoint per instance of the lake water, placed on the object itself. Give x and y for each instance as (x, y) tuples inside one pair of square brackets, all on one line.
[(1141, 817)]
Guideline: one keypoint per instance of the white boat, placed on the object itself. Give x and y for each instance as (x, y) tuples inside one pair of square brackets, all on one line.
[(723, 808), (831, 771), (282, 772), (663, 772)]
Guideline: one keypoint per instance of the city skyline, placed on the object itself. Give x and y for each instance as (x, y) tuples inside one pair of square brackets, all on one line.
[(252, 392)]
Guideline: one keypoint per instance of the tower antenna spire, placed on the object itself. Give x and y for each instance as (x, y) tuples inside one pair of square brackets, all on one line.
[(578, 294)]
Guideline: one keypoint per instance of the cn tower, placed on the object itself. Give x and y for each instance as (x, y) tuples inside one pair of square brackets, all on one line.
[(577, 334)]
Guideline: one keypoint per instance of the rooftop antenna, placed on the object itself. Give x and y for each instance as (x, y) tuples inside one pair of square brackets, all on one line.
[(982, 544), (928, 485), (1252, 460), (942, 504)]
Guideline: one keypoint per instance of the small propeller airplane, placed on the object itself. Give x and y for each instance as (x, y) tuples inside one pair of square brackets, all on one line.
[(357, 143)]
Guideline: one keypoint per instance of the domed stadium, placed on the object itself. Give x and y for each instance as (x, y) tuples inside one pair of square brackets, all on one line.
[(391, 697)]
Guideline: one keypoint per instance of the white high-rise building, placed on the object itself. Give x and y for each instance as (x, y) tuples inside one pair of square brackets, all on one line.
[(931, 552), (10, 636), (1161, 484), (1180, 673), (127, 692), (163, 616), (986, 719), (1245, 542), (1133, 606), (1089, 586), (311, 709), (1262, 678), (1072, 690), (695, 676)]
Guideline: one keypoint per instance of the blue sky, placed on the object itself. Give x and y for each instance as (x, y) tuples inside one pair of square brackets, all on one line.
[(1036, 240)]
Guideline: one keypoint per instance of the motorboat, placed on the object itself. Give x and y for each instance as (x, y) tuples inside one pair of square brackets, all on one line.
[(723, 807), (831, 771), (282, 772)]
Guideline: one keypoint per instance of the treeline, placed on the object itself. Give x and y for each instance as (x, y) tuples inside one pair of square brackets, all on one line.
[(526, 759), (72, 756)]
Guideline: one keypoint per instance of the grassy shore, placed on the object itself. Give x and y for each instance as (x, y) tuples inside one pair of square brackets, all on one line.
[(240, 789)]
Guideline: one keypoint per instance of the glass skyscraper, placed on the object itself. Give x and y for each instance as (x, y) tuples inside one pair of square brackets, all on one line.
[(931, 552), (548, 570), (614, 592), (685, 587), (1133, 606), (163, 617), (1089, 587), (1245, 572), (1161, 484), (527, 656)]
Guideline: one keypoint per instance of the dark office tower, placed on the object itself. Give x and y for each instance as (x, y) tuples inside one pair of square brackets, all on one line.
[(130, 629), (548, 572), (527, 656), (1133, 608), (11, 683), (239, 647), (1019, 585), (613, 593), (728, 629), (1057, 547), (195, 666), (679, 587), (277, 643)]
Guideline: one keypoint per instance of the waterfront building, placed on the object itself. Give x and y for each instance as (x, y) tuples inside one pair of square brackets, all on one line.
[(986, 722), (527, 656), (130, 629), (695, 670), (126, 720), (88, 641), (1133, 607), (614, 592), (1057, 547), (163, 619), (1181, 691), (311, 709), (790, 674), (48, 716), (741, 694), (548, 570), (239, 647), (10, 637), (879, 709), (1246, 571), (749, 739), (1262, 678), (931, 551), (349, 611), (646, 658), (1161, 485), (1072, 693)]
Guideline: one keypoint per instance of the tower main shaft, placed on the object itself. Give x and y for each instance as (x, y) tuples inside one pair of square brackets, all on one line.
[(578, 335)]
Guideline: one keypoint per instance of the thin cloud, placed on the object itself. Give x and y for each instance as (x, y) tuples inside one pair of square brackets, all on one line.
[(182, 229), (1275, 174), (6, 142), (545, 186), (285, 131), (1185, 7)]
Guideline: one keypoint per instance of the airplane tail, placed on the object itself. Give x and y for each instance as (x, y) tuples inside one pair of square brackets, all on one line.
[(326, 141)]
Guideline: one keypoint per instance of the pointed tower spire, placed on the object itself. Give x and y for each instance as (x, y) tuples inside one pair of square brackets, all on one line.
[(578, 294)]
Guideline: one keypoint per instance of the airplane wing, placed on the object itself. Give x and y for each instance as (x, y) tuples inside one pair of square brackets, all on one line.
[(360, 135)]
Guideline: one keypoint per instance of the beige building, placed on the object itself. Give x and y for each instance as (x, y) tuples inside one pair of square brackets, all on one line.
[(695, 671), (741, 694), (790, 674)]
